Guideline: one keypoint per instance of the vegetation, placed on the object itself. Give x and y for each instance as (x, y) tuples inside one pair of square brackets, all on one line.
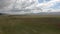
[(29, 25)]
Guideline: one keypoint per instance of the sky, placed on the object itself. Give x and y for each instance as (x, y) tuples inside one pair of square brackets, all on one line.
[(55, 4), (48, 3), (7, 5)]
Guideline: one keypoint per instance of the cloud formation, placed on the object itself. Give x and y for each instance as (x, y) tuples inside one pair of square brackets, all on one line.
[(26, 4), (5, 4), (48, 4)]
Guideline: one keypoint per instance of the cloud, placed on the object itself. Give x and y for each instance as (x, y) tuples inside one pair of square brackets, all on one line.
[(41, 5), (26, 4), (4, 4), (56, 6), (48, 4)]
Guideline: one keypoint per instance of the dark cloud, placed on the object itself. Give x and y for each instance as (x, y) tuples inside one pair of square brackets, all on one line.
[(4, 3)]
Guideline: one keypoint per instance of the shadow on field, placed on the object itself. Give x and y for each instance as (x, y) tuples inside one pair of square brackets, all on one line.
[(31, 25)]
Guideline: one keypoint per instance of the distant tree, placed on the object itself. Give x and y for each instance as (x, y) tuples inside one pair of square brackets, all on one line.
[(1, 14)]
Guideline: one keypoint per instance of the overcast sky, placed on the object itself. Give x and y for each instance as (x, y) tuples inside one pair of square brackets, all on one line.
[(29, 4)]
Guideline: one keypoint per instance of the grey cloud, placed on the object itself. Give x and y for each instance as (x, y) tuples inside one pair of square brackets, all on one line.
[(25, 3), (22, 5), (4, 3)]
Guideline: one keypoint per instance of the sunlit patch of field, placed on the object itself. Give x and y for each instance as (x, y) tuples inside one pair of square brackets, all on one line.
[(29, 25)]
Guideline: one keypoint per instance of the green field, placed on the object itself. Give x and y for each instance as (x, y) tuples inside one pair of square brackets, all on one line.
[(29, 25)]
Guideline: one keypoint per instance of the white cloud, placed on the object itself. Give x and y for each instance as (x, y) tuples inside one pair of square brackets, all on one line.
[(48, 4), (6, 4), (29, 4)]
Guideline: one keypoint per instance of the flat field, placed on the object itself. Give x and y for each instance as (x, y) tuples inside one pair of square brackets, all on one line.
[(29, 25)]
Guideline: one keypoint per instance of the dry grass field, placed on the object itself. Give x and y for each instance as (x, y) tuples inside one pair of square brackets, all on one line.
[(29, 25)]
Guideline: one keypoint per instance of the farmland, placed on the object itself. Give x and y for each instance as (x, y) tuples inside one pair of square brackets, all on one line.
[(29, 25)]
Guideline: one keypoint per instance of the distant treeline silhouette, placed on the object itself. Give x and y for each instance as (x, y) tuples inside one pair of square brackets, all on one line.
[(2, 14)]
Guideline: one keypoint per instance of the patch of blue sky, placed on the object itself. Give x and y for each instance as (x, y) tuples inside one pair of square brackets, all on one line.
[(41, 1), (47, 0), (56, 6)]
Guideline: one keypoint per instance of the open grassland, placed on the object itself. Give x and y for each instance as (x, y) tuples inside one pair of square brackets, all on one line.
[(29, 25)]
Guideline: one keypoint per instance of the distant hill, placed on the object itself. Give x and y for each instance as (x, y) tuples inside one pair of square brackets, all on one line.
[(41, 13)]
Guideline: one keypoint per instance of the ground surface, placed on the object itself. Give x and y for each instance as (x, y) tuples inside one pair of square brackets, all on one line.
[(29, 25)]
